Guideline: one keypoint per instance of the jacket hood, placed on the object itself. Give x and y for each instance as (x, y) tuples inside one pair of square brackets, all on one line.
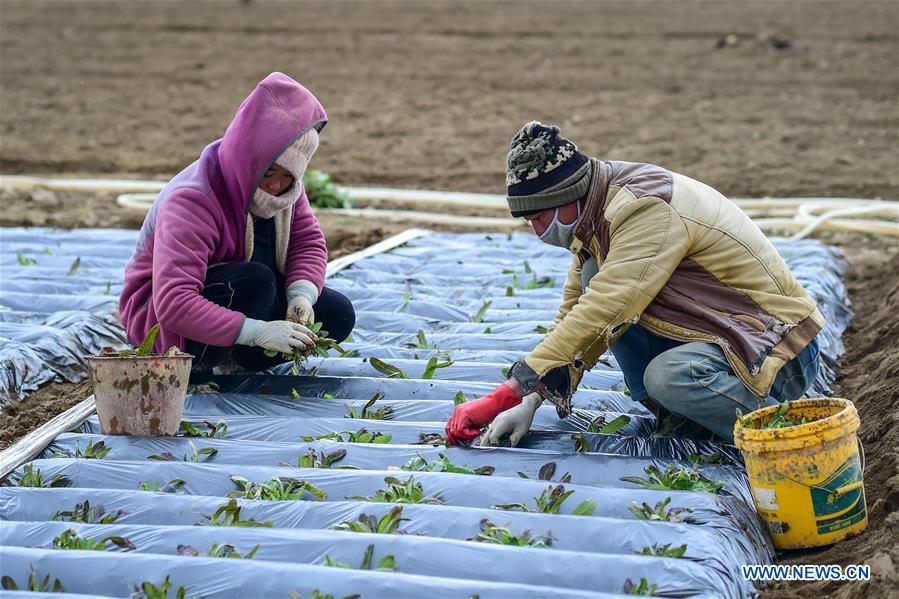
[(276, 113)]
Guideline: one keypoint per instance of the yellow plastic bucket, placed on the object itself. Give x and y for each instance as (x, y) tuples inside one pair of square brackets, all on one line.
[(806, 480)]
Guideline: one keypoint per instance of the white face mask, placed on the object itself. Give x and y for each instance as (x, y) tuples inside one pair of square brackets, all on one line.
[(558, 234)]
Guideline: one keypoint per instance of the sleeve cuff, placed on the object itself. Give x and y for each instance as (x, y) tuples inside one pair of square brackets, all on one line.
[(302, 288), (248, 331), (525, 375)]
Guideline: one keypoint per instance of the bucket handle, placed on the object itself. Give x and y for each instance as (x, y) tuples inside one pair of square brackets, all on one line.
[(839, 492), (856, 485)]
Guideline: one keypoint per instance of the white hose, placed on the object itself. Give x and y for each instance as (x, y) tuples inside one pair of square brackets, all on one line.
[(839, 214)]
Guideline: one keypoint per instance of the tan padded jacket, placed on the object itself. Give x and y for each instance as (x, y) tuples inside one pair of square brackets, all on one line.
[(687, 264)]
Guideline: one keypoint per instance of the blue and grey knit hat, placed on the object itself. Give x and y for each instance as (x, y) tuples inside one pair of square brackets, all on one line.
[(544, 170)]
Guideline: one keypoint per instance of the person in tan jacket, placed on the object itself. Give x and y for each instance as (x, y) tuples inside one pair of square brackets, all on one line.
[(700, 311)]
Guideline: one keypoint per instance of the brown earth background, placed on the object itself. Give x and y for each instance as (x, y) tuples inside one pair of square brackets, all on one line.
[(755, 98)]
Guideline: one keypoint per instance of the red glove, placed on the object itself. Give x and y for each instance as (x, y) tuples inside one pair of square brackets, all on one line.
[(470, 417)]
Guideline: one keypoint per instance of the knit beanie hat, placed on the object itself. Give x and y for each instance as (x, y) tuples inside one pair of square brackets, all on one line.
[(298, 154), (294, 160), (544, 170)]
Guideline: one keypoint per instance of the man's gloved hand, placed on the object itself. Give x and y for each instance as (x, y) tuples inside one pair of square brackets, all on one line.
[(468, 418), (300, 311), (301, 295), (514, 423), (278, 335)]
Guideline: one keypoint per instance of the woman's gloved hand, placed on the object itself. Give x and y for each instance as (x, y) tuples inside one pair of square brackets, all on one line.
[(470, 417), (300, 311), (278, 335), (301, 295), (514, 423)]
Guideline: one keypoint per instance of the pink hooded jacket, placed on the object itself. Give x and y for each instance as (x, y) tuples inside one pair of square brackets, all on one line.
[(200, 218)]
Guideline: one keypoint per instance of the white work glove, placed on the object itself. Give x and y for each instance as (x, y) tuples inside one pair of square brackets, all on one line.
[(514, 423), (300, 297), (279, 335)]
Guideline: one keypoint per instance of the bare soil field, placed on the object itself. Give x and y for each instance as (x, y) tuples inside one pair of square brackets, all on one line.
[(755, 98)]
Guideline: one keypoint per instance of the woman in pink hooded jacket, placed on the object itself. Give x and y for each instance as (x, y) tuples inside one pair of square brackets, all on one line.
[(231, 260)]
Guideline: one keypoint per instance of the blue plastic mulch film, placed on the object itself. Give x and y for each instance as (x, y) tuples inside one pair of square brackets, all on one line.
[(299, 473), (59, 292)]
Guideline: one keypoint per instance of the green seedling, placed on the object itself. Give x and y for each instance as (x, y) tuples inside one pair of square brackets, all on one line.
[(108, 288), (36, 584), (398, 491), (352, 353), (660, 513), (229, 515), (319, 348), (24, 260), (196, 455), (550, 502), (433, 439), (385, 564), (581, 444), (388, 524), (644, 588), (276, 489), (547, 471), (70, 539), (146, 346), (532, 283), (320, 459), (539, 283), (421, 342), (664, 550), (75, 266), (779, 419), (34, 477), (219, 430), (367, 413), (145, 349), (541, 329), (459, 398), (599, 425), (491, 533), (47, 251), (83, 512), (674, 478), (217, 550), (443, 464), (148, 590), (712, 458), (322, 192), (173, 486), (383, 367), (479, 316), (93, 451), (360, 436), (434, 364)]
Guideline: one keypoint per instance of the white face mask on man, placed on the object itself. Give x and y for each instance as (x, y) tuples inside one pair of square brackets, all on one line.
[(559, 234)]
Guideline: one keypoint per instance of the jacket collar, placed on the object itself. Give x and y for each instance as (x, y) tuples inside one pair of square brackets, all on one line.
[(595, 206)]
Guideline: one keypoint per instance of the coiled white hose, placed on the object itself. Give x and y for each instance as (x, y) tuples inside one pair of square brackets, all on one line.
[(802, 215)]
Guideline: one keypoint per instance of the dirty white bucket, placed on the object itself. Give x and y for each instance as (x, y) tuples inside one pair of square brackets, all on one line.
[(141, 396)]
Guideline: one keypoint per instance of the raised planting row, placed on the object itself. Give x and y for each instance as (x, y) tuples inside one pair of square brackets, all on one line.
[(330, 478)]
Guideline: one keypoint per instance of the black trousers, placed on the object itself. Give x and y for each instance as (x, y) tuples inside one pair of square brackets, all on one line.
[(257, 291)]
